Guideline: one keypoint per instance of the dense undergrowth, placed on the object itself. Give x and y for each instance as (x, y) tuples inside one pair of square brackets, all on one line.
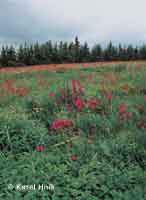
[(84, 131)]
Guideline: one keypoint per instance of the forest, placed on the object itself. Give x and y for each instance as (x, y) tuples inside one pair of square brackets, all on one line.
[(68, 52)]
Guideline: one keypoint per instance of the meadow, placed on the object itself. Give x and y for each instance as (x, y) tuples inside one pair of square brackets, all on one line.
[(82, 130)]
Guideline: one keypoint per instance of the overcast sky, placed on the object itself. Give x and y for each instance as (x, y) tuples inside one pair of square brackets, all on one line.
[(92, 20)]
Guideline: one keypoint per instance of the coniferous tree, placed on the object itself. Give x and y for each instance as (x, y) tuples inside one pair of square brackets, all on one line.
[(67, 52), (96, 53), (71, 52), (20, 55), (110, 52), (3, 57), (55, 55), (60, 51), (77, 50), (11, 56), (85, 53), (37, 53), (130, 52), (143, 52)]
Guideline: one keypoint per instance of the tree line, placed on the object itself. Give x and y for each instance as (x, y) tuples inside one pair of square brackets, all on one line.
[(68, 52)]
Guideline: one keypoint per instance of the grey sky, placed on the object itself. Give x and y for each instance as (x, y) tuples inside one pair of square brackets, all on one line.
[(92, 20)]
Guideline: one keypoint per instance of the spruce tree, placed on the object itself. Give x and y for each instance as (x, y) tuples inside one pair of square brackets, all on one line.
[(3, 57), (77, 49)]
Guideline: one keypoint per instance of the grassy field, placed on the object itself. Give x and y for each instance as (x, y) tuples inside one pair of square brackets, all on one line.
[(80, 130)]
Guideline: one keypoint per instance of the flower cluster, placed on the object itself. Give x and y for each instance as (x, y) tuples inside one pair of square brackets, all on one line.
[(40, 148), (123, 114), (21, 91), (79, 104), (51, 94), (73, 157), (61, 123), (76, 88), (9, 86), (92, 103)]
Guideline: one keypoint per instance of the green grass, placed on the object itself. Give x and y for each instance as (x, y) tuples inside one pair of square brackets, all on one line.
[(110, 153)]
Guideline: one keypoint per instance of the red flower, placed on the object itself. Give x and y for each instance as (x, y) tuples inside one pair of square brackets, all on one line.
[(8, 83), (61, 123), (92, 103), (141, 124), (145, 97), (51, 94), (21, 91), (62, 92), (144, 125), (79, 103), (74, 158), (74, 87), (40, 147), (109, 96), (125, 88), (122, 108), (123, 114), (69, 108), (80, 88)]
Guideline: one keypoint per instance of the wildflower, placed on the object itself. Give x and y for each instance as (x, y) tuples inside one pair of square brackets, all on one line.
[(69, 108), (125, 88), (141, 124), (61, 123), (62, 92), (123, 114), (51, 94), (109, 96), (121, 108), (92, 103), (40, 148), (80, 88), (8, 83), (79, 103), (144, 125), (74, 158), (21, 91), (74, 87), (145, 97), (140, 108)]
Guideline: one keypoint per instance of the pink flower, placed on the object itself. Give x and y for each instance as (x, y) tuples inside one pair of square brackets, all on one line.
[(40, 148), (144, 125), (122, 108), (92, 103), (145, 97), (74, 87), (80, 88), (51, 94), (69, 108), (109, 96), (123, 114), (79, 103), (74, 158), (61, 123), (21, 91)]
